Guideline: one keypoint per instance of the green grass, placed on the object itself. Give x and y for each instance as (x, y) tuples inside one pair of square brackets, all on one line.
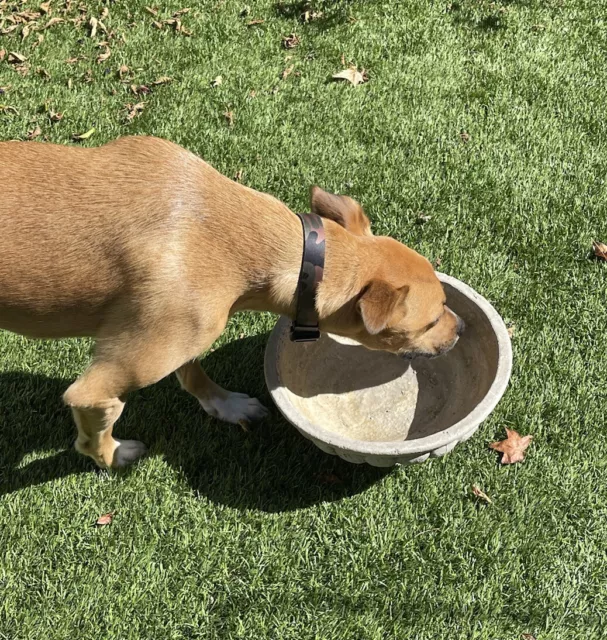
[(222, 534)]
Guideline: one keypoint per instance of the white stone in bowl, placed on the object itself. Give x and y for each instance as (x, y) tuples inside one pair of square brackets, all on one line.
[(372, 406)]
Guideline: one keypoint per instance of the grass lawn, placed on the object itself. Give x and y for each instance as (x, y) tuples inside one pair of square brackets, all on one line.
[(488, 117)]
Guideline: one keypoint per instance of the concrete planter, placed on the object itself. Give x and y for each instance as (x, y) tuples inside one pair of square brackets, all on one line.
[(449, 396)]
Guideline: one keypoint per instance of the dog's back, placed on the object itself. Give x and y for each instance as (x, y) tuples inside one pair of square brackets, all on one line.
[(75, 224)]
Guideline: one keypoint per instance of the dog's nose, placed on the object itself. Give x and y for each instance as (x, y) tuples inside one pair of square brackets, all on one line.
[(461, 326)]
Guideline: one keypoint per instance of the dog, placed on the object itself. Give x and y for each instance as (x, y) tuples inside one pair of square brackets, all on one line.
[(146, 248)]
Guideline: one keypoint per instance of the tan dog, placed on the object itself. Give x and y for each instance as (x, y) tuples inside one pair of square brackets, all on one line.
[(147, 248)]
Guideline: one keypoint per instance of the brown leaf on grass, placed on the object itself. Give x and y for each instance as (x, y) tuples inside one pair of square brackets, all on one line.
[(74, 60), (599, 249), (123, 70), (182, 12), (43, 73), (105, 519), (217, 81), (34, 133), (134, 110), (45, 7), (93, 26), (309, 15), (511, 329), (55, 117), (16, 58), (229, 116), (152, 11), (238, 178), (5, 108), (252, 23), (157, 24), (290, 41), (162, 80), (352, 75), (513, 447), (104, 14), (2, 54), (5, 32), (84, 136), (5, 89), (102, 57), (464, 135), (479, 493), (140, 89), (25, 32), (527, 636), (52, 22), (287, 72), (328, 478)]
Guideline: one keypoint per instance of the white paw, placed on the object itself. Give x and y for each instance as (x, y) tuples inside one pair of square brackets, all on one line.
[(237, 408), (127, 452)]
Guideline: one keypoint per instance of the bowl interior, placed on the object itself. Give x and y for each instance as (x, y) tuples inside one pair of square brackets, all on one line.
[(374, 396)]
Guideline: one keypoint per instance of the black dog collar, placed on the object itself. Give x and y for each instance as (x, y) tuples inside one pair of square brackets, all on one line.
[(304, 327)]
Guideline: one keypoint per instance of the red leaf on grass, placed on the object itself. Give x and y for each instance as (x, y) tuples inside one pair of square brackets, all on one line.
[(513, 447), (600, 249), (105, 519)]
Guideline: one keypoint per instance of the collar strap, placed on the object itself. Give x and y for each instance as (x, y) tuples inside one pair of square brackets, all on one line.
[(304, 327)]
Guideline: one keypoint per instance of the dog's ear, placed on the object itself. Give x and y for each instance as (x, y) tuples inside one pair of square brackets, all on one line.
[(341, 209), (377, 304)]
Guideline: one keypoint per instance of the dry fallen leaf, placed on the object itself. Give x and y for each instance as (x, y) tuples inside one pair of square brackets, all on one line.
[(290, 41), (152, 10), (122, 71), (93, 26), (527, 636), (181, 12), (45, 7), (352, 75), (5, 89), (218, 80), (2, 54), (328, 478), (84, 136), (55, 117), (34, 133), (5, 108), (104, 14), (105, 519), (511, 330), (238, 178), (229, 116), (254, 22), (287, 72), (465, 136), (133, 110), (16, 58), (513, 447), (140, 89), (162, 80), (480, 494), (600, 249), (52, 22), (157, 24), (102, 57)]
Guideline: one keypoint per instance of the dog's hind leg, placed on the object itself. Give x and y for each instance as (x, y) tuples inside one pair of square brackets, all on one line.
[(236, 408), (96, 405)]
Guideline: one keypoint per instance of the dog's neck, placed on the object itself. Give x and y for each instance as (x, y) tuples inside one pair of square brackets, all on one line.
[(276, 290)]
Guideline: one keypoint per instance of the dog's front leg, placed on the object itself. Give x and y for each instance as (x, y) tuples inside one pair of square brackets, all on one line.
[(237, 408)]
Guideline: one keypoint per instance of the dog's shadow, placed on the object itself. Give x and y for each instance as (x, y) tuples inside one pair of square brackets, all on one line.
[(271, 467)]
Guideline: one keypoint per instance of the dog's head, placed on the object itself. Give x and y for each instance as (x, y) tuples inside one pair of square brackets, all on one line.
[(400, 305)]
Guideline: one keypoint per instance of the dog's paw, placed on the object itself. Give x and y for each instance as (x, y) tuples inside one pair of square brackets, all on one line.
[(237, 408), (127, 452)]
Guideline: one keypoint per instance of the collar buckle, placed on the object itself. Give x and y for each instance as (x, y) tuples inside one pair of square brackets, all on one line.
[(301, 333)]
